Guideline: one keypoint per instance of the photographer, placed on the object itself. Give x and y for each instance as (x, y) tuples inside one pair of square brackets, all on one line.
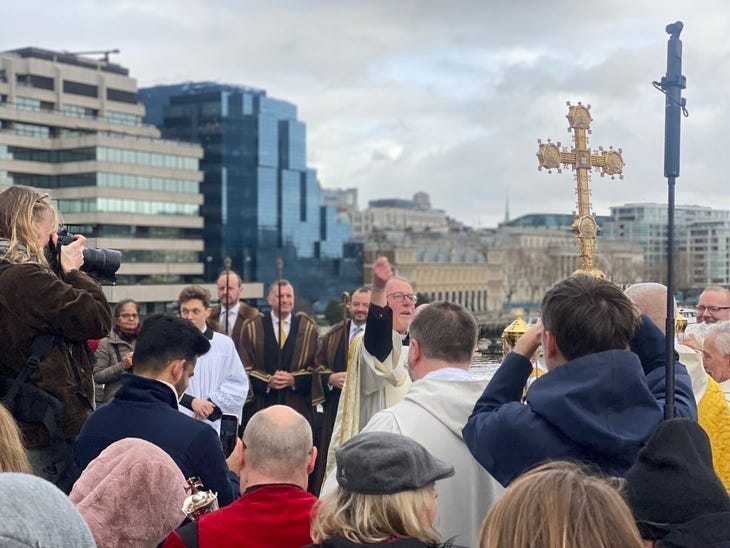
[(52, 400)]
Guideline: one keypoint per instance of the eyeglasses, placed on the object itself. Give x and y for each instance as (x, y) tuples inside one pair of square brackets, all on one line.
[(399, 297), (128, 316), (712, 309)]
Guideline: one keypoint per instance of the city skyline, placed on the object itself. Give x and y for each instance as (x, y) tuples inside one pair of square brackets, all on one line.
[(450, 99)]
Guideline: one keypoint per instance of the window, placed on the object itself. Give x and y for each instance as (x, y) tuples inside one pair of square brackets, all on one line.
[(78, 88), (121, 96)]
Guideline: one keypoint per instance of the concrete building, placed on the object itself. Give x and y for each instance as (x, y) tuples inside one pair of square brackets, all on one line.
[(396, 214), (701, 245), (262, 201), (73, 125)]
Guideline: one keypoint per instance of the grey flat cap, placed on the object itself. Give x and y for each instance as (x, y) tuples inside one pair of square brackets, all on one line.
[(383, 463)]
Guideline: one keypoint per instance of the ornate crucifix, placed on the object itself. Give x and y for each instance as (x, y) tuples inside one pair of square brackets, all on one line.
[(610, 162)]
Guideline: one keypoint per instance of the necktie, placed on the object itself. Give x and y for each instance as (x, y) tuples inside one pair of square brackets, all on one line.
[(282, 340), (355, 332)]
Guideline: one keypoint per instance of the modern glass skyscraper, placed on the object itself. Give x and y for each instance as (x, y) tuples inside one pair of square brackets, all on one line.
[(261, 201)]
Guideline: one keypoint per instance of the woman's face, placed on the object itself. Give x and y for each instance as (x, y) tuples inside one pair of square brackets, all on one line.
[(430, 511), (45, 226), (128, 318)]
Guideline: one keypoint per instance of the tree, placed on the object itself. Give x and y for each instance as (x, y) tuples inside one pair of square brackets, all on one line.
[(333, 312)]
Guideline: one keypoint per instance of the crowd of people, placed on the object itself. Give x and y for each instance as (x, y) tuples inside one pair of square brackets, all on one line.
[(375, 434)]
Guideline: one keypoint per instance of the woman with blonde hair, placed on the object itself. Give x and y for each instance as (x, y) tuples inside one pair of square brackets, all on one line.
[(386, 495), (12, 453), (559, 505), (61, 302)]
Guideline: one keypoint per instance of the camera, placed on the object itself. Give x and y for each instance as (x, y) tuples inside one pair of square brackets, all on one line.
[(101, 264)]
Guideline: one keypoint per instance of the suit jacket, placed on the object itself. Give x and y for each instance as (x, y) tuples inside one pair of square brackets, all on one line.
[(245, 312), (261, 359)]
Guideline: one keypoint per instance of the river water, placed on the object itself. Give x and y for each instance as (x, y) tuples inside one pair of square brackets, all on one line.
[(483, 367)]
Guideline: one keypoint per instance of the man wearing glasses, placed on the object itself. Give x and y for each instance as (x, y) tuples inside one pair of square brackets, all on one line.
[(377, 372), (714, 305)]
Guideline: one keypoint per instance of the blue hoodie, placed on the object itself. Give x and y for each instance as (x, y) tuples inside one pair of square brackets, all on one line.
[(598, 408)]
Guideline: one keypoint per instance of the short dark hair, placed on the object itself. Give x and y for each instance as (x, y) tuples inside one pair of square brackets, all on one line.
[(587, 315), (279, 283), (194, 292), (445, 331), (164, 338)]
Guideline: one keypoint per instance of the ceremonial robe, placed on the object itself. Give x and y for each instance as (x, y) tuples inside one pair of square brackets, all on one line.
[(377, 377), (261, 358), (220, 377)]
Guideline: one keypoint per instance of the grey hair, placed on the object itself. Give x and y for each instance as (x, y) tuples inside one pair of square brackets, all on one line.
[(721, 332), (696, 331)]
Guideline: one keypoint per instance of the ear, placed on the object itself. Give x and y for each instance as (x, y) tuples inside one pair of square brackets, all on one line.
[(414, 351), (207, 312), (549, 345), (312, 460), (176, 369)]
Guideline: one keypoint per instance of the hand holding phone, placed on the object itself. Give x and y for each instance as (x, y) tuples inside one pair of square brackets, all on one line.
[(229, 433)]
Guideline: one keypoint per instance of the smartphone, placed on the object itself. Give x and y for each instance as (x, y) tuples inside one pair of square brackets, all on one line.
[(229, 433)]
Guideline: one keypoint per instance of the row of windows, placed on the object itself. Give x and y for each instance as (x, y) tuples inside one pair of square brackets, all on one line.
[(138, 182), (79, 111), (124, 156), (133, 207), (133, 231), (123, 118), (160, 256), (32, 130)]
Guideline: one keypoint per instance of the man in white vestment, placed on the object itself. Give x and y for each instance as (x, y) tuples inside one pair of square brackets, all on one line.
[(377, 375), (220, 384), (442, 341)]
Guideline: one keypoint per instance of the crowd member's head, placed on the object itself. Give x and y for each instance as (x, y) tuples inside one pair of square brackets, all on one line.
[(194, 302), (126, 316), (673, 483), (694, 335), (442, 335), (713, 305), (131, 494), (27, 221), (651, 298), (402, 301), (13, 457), (559, 505), (167, 349), (281, 298), (34, 512), (716, 351), (584, 315), (386, 490), (230, 288), (277, 448), (359, 305)]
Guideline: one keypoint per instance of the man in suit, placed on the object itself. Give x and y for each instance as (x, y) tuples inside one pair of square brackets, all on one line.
[(278, 350), (231, 312)]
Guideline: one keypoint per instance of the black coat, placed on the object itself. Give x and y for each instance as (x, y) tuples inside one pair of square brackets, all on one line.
[(147, 409)]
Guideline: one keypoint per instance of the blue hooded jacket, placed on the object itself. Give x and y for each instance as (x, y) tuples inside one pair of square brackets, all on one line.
[(598, 409)]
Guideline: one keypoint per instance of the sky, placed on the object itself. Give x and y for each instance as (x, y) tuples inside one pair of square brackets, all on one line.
[(446, 97)]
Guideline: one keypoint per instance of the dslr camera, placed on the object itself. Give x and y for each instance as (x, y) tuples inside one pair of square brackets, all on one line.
[(101, 264)]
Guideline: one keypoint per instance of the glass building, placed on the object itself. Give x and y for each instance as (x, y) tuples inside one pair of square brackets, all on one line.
[(261, 201)]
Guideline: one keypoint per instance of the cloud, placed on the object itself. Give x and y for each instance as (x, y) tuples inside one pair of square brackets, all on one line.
[(446, 97)]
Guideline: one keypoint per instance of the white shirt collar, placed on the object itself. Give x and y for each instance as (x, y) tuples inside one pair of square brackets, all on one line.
[(449, 374), (286, 320), (177, 397), (232, 310)]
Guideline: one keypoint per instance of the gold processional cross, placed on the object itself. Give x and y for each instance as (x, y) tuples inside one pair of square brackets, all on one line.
[(610, 162)]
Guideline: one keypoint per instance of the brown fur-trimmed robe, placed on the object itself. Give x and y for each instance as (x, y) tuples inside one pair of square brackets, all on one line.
[(245, 312), (261, 359), (331, 358)]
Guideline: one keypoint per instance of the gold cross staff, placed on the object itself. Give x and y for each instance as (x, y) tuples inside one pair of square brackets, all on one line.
[(610, 162)]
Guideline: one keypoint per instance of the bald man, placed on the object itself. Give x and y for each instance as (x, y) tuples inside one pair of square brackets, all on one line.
[(275, 508)]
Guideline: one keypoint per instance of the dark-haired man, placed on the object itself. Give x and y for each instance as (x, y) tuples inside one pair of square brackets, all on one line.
[(146, 407), (598, 403)]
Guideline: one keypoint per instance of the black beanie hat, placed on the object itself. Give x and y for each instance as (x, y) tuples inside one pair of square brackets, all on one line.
[(673, 480)]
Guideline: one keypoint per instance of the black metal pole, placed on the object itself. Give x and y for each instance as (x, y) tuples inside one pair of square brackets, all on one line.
[(279, 271), (224, 306), (672, 84)]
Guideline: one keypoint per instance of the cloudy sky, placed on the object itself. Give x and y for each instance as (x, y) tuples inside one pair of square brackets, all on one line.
[(448, 97)]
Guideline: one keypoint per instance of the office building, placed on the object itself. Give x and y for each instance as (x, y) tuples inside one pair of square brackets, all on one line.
[(73, 125), (262, 202)]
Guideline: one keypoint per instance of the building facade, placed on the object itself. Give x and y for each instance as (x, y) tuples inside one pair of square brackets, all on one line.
[(261, 202), (73, 125), (395, 214), (701, 245)]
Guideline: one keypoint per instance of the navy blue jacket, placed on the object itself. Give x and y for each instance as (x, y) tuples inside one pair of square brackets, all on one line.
[(147, 409), (599, 409)]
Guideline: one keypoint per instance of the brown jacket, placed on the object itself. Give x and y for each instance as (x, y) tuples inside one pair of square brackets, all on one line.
[(33, 300)]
